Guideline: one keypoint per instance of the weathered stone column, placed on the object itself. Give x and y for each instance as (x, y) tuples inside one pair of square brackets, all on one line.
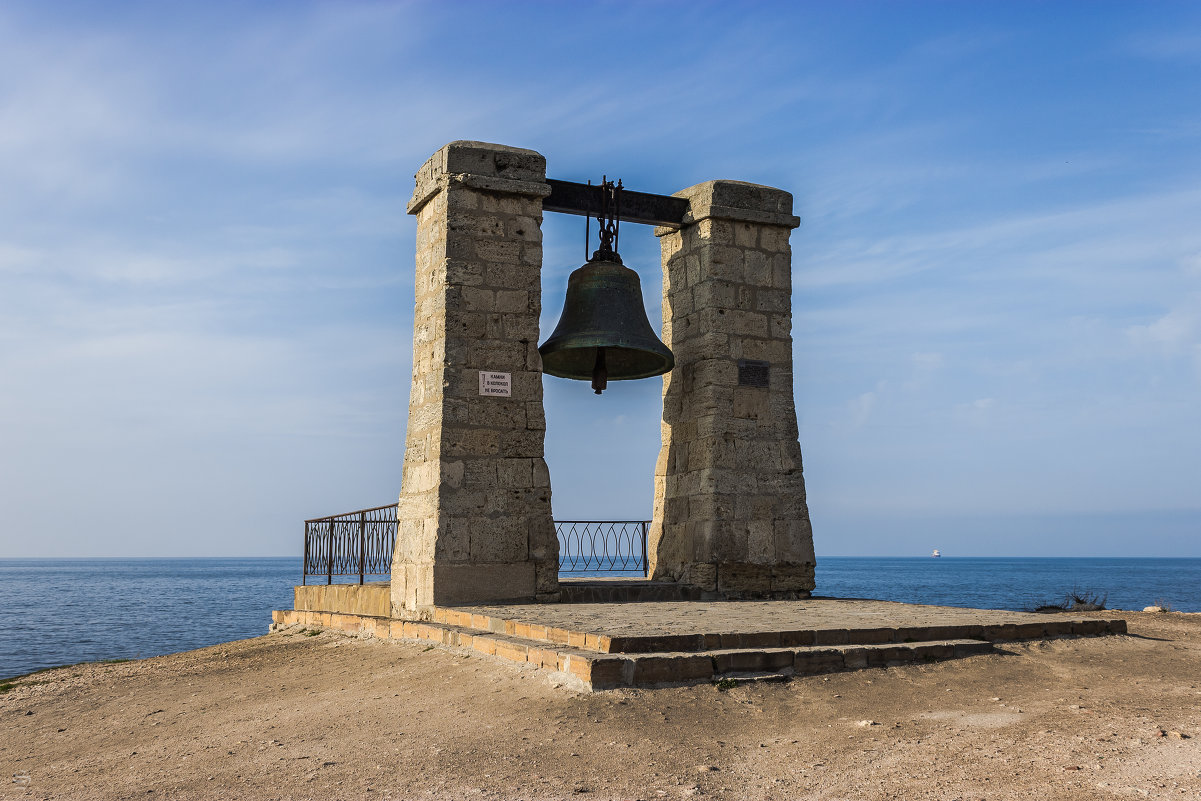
[(730, 514), (475, 516)]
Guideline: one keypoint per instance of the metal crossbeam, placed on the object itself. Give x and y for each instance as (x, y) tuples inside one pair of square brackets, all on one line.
[(568, 197)]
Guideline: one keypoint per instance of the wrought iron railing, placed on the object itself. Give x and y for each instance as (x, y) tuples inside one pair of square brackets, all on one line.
[(352, 544), (361, 543), (598, 546)]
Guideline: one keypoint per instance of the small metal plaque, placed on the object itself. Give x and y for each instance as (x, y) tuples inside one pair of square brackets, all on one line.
[(497, 385), (752, 373)]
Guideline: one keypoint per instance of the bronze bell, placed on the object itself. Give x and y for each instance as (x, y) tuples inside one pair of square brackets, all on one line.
[(603, 334)]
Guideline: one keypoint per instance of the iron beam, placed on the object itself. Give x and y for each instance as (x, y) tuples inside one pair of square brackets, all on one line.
[(568, 197)]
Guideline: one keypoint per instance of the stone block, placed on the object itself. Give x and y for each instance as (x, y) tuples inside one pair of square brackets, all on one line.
[(498, 251), (471, 442), (514, 301), (747, 323), (962, 649), (466, 298), (521, 443), (1028, 631), (714, 230), (774, 239), (760, 550), (756, 271), (515, 472), (1006, 631), (724, 541), (512, 651), (723, 262), (712, 294), (752, 661), (702, 575), (781, 272), (1057, 628), (1088, 627), (535, 417), (795, 638), (670, 669), (475, 583), (578, 666), (773, 301), (761, 639), (817, 661), (743, 577), (790, 577), (831, 637), (453, 540), (870, 636), (746, 235), (882, 655), (750, 403), (483, 158), (542, 657), (499, 540), (855, 658), (935, 651), (525, 228), (604, 674)]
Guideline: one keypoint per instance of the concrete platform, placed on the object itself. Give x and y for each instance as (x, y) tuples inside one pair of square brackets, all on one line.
[(607, 645), (701, 625)]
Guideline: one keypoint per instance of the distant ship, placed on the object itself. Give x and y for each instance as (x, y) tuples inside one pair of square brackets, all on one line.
[(936, 554)]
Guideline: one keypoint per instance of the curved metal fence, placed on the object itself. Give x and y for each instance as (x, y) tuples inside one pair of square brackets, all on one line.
[(351, 544), (600, 546), (361, 543)]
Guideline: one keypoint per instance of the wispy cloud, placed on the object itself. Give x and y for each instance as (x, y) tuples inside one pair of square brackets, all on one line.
[(206, 266), (1169, 45)]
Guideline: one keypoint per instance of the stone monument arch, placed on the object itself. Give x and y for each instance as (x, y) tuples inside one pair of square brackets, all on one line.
[(474, 514)]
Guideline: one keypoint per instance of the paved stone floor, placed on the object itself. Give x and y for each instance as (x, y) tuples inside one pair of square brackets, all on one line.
[(655, 618)]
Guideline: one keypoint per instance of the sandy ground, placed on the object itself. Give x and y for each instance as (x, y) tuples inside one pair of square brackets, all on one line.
[(331, 717)]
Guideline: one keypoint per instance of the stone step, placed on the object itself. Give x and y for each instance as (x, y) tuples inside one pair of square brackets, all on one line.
[(596, 670), (649, 670), (635, 644)]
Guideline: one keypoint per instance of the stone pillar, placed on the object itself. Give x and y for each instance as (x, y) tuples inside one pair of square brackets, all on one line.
[(474, 514), (730, 514)]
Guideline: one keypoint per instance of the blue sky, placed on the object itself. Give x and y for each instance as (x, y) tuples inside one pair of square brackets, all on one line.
[(206, 272)]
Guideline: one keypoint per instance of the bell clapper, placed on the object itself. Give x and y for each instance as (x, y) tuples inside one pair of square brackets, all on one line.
[(600, 373)]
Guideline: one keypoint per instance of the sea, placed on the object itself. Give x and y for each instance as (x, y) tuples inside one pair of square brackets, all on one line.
[(63, 611)]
